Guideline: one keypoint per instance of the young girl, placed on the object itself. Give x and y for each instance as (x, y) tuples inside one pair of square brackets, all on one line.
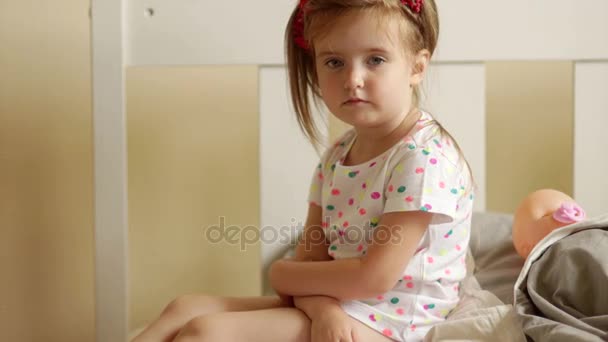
[(390, 203)]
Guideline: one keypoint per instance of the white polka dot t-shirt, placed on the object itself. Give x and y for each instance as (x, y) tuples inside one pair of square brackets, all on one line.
[(423, 171)]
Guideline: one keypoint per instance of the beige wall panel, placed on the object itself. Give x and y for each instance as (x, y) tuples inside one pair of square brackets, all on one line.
[(193, 137), (529, 130), (46, 208)]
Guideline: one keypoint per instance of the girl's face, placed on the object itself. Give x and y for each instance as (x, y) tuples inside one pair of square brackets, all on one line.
[(363, 73)]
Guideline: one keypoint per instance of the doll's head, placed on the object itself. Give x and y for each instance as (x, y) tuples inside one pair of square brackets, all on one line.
[(540, 213)]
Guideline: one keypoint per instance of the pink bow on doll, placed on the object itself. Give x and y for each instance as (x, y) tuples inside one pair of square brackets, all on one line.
[(569, 212)]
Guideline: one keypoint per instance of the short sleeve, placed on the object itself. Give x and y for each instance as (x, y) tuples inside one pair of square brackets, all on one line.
[(424, 179)]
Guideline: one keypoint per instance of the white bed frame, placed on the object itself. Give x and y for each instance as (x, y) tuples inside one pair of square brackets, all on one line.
[(185, 32)]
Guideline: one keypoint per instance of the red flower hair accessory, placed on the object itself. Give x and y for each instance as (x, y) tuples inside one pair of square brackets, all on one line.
[(298, 26), (414, 5)]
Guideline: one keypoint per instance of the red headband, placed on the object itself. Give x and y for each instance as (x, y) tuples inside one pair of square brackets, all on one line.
[(298, 25), (414, 5)]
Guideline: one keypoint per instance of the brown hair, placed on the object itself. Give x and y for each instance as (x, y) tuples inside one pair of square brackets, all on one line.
[(420, 29)]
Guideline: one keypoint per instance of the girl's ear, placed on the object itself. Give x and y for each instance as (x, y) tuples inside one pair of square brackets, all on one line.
[(420, 63)]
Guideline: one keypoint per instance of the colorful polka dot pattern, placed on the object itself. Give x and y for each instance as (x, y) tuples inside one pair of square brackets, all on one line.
[(417, 174)]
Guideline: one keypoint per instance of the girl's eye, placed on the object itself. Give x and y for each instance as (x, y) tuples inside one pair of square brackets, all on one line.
[(376, 60), (333, 63)]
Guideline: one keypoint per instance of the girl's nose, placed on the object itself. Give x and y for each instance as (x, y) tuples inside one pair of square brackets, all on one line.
[(354, 79)]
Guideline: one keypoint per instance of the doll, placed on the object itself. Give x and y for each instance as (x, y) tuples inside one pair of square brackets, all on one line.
[(540, 213)]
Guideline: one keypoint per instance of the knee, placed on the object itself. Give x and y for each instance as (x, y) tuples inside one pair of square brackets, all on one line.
[(189, 304), (203, 328)]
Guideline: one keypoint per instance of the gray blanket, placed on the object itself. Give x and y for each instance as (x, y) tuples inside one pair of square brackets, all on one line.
[(562, 292)]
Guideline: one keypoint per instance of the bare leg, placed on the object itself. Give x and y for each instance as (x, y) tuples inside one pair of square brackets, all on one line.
[(183, 309), (283, 324)]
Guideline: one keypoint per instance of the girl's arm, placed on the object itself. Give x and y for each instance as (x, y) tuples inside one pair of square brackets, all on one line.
[(313, 246), (394, 243)]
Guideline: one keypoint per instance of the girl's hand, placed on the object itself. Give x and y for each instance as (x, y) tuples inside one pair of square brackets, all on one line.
[(332, 325)]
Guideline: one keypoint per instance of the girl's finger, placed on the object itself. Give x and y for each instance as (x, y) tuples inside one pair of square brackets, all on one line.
[(346, 338), (354, 335)]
